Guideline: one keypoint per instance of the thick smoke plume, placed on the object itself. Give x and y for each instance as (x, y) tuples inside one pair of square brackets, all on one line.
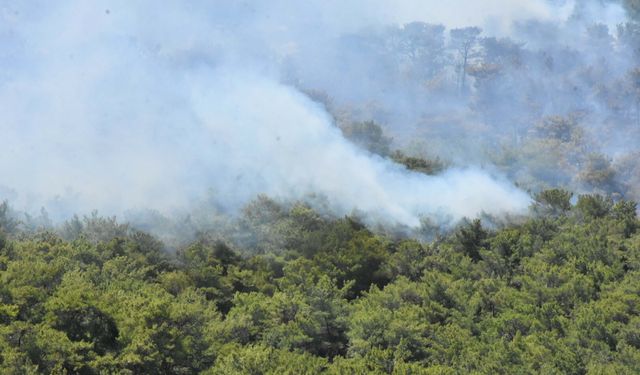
[(118, 105)]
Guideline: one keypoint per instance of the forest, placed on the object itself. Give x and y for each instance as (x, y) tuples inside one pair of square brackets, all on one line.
[(274, 187), (557, 293)]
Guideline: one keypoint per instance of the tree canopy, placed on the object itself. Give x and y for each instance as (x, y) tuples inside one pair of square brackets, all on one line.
[(556, 293)]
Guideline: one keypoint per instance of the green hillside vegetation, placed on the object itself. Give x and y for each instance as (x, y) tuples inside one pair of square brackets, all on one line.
[(558, 294)]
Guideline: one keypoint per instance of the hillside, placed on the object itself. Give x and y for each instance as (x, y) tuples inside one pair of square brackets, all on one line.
[(557, 293)]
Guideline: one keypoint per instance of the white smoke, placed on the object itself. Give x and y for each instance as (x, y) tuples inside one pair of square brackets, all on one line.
[(115, 106), (284, 145)]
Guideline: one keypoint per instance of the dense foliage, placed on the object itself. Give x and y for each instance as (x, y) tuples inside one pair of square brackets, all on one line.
[(556, 293)]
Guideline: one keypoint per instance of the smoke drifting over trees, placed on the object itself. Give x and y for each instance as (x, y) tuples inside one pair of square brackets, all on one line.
[(120, 106), (319, 187)]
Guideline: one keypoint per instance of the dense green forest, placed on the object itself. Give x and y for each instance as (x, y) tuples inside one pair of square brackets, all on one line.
[(558, 292)]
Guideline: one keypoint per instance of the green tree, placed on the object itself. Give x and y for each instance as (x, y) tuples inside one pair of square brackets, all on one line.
[(470, 238), (593, 206), (464, 41), (368, 135), (552, 202)]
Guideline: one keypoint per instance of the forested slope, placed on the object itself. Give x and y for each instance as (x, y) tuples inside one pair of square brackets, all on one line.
[(556, 293)]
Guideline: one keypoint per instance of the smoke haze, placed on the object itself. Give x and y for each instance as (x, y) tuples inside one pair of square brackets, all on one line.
[(115, 105)]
